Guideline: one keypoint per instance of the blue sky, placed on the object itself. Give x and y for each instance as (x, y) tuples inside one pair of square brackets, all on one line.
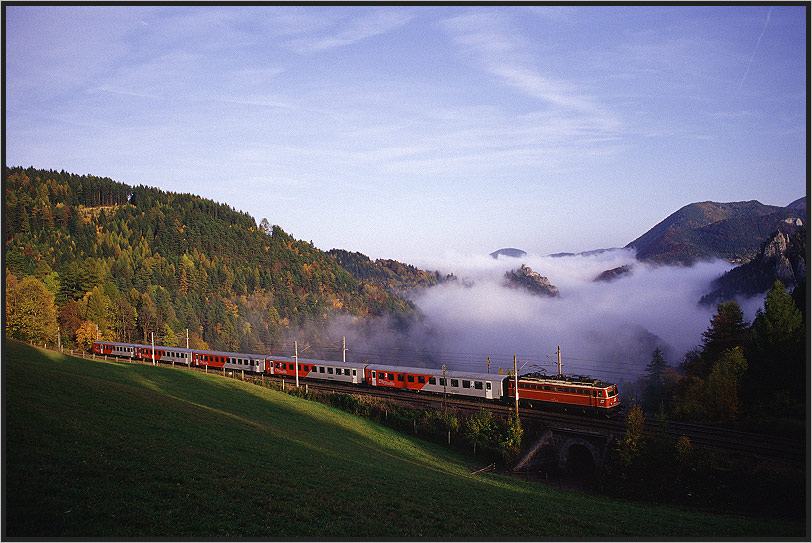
[(412, 132)]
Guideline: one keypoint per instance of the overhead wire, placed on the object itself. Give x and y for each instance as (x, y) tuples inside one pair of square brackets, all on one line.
[(616, 369)]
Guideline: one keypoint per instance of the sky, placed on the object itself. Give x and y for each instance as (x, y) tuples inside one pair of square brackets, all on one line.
[(418, 132)]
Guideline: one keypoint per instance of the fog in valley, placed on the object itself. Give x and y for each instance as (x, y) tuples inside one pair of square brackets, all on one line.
[(606, 329)]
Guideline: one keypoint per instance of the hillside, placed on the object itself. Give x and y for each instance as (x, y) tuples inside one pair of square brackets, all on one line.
[(115, 450), (137, 260), (704, 230), (394, 276)]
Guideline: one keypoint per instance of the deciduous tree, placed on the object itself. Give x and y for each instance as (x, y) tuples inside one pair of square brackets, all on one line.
[(30, 311), (723, 384), (86, 335)]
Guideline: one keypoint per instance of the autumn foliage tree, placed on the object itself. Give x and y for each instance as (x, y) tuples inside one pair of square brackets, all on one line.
[(724, 383), (86, 335), (30, 311)]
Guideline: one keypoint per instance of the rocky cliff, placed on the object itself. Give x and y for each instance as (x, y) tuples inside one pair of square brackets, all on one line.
[(533, 282), (782, 257)]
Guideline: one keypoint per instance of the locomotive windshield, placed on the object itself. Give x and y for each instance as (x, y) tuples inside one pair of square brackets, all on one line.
[(613, 391)]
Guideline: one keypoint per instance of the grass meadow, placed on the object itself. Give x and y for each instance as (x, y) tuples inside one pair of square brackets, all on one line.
[(115, 450)]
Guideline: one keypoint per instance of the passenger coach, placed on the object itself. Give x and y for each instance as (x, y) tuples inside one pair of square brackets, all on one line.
[(345, 372), (478, 385)]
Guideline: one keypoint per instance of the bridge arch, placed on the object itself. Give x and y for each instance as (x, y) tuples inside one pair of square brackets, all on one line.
[(578, 455)]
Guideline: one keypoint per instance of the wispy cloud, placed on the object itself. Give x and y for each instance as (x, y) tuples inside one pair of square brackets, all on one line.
[(491, 42), (501, 51), (354, 29)]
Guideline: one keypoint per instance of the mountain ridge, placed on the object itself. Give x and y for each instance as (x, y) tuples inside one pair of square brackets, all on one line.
[(707, 230)]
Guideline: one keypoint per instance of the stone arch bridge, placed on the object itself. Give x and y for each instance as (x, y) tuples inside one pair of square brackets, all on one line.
[(568, 448)]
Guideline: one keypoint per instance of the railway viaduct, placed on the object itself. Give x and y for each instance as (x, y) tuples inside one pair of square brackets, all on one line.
[(568, 447)]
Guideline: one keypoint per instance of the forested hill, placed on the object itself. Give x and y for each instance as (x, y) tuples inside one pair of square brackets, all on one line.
[(706, 230), (392, 275), (134, 260)]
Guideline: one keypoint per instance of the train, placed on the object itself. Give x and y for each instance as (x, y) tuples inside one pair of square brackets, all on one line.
[(576, 394)]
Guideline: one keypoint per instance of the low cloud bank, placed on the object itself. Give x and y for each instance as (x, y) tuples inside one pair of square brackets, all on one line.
[(606, 329)]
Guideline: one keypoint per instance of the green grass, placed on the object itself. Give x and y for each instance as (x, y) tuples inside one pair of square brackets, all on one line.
[(108, 449)]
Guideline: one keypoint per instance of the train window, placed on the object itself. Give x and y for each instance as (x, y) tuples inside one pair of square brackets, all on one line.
[(442, 381), (455, 383), (613, 392), (432, 381), (353, 373), (421, 379), (487, 385), (390, 376), (410, 378), (373, 374), (595, 393), (347, 371), (559, 389), (330, 371), (546, 387), (478, 385), (400, 377), (466, 384)]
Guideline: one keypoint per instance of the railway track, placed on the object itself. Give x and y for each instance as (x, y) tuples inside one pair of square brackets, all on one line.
[(724, 440), (733, 441)]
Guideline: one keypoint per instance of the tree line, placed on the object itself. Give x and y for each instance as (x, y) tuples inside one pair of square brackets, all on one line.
[(740, 369)]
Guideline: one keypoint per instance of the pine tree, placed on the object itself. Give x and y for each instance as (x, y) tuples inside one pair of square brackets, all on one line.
[(654, 394), (778, 342), (727, 329)]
